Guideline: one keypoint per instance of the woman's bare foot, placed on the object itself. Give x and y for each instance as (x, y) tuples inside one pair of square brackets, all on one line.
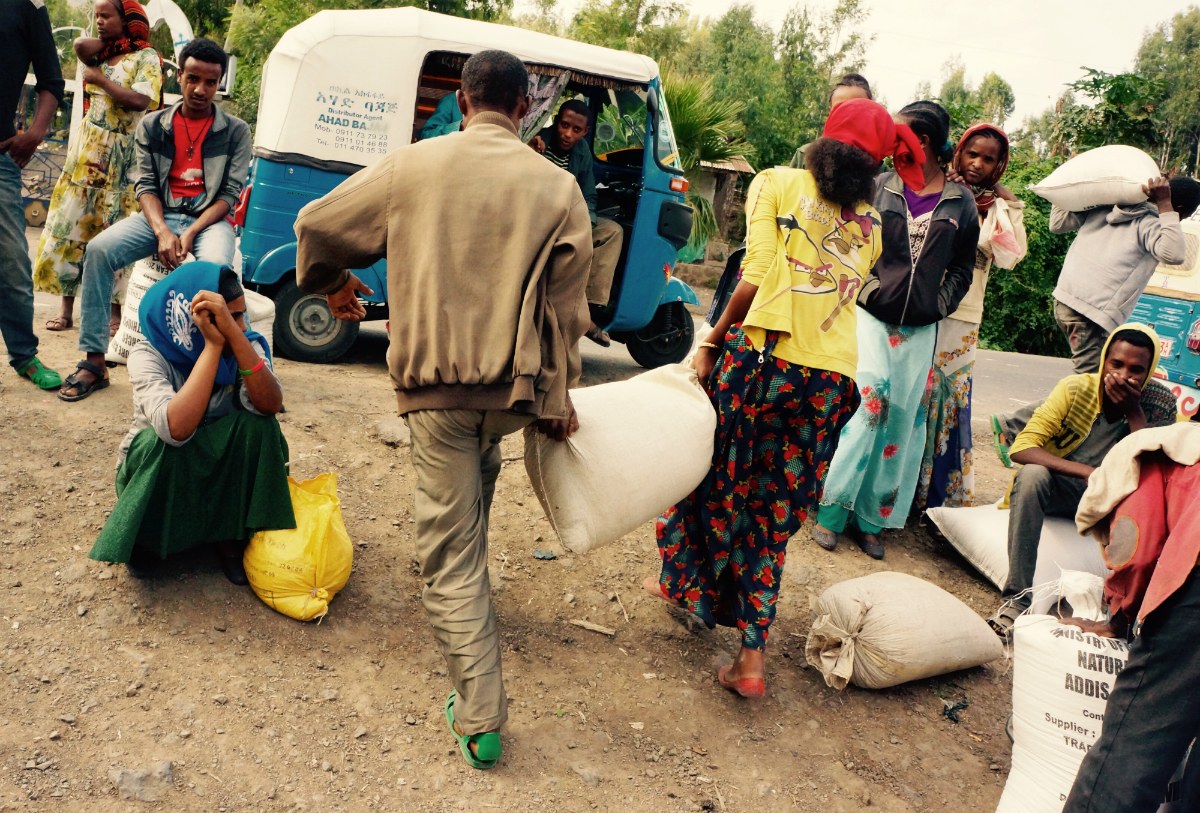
[(747, 675), (66, 315), (654, 588)]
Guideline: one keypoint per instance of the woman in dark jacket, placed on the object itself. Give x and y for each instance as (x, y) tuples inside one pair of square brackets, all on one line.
[(929, 239)]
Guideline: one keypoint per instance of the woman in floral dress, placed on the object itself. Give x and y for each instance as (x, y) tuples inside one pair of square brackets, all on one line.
[(780, 368), (930, 235), (123, 79)]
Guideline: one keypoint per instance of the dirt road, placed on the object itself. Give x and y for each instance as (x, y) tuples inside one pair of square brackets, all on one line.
[(256, 711)]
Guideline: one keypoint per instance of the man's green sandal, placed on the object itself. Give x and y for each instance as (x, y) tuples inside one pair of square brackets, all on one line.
[(998, 443), (488, 744), (41, 375)]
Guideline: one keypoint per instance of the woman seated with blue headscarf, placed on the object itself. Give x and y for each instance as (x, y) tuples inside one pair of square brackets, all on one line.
[(205, 461)]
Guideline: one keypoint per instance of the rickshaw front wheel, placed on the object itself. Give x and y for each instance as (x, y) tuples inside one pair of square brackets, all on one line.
[(666, 340), (306, 329)]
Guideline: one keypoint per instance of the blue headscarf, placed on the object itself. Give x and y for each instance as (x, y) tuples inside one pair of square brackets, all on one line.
[(166, 318)]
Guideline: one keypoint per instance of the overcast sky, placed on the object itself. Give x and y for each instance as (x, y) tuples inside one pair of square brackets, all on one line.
[(1037, 50)]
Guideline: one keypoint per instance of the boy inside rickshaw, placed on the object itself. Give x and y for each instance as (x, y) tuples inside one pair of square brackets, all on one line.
[(564, 143)]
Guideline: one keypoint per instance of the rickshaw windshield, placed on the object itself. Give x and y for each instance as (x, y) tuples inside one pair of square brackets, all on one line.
[(665, 149), (621, 125)]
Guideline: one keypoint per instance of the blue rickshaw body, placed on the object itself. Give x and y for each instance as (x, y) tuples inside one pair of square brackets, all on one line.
[(1170, 304), (281, 184)]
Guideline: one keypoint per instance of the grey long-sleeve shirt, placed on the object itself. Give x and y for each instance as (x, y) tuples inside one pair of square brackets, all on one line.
[(155, 383), (1113, 257)]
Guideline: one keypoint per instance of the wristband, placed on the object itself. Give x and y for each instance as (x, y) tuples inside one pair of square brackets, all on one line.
[(262, 362), (710, 344)]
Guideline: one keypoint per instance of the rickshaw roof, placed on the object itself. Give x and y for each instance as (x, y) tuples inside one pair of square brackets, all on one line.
[(373, 58)]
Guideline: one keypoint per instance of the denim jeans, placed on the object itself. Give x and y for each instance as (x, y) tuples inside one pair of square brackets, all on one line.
[(126, 242), (16, 272)]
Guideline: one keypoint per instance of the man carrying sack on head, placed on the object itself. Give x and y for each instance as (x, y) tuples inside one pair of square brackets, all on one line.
[(488, 247)]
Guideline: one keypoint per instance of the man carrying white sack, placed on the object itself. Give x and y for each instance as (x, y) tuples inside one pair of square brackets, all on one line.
[(488, 247), (1142, 506), (1105, 271)]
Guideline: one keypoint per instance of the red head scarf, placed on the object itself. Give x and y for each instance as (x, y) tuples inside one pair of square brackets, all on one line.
[(137, 24), (985, 194), (867, 125)]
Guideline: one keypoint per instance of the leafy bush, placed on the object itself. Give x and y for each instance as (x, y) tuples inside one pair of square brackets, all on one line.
[(1018, 312)]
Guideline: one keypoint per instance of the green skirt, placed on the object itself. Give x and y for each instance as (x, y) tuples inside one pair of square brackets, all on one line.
[(228, 482)]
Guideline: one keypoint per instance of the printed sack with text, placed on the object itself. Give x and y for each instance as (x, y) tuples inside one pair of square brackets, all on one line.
[(1062, 677), (145, 273), (642, 446), (299, 571)]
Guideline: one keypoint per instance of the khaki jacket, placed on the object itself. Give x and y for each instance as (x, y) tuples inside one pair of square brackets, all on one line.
[(488, 247)]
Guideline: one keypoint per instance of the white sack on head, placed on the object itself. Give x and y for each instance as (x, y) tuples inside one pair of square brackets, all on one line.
[(889, 628), (1106, 176), (642, 446), (980, 534)]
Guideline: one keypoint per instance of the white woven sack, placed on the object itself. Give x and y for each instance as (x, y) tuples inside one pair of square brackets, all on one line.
[(980, 534), (642, 446), (889, 628), (1106, 176), (260, 316), (1055, 719), (145, 273)]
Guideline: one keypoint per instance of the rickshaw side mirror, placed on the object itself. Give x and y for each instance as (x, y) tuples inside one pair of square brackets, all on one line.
[(652, 102)]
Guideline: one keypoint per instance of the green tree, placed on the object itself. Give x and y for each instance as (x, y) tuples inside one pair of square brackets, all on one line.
[(643, 26), (996, 98), (544, 18), (955, 90), (814, 53), (706, 129), (1018, 312), (1171, 53), (1122, 111)]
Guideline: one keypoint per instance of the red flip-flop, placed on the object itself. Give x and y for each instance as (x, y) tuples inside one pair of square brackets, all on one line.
[(655, 588), (750, 688)]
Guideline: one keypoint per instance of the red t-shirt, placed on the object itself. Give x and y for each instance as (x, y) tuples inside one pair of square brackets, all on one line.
[(186, 178)]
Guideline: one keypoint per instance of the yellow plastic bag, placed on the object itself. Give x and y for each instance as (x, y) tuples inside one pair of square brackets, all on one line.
[(299, 571)]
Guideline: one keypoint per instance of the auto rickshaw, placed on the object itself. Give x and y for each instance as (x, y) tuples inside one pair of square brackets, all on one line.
[(344, 88), (1170, 304)]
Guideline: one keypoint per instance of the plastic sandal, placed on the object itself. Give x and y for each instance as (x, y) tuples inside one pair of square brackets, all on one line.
[(488, 744), (750, 688), (998, 444), (652, 586), (42, 376), (60, 323), (84, 388)]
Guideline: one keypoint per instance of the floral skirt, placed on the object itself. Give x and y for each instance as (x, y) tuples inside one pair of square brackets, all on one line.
[(777, 428), (874, 473), (947, 475), (93, 192)]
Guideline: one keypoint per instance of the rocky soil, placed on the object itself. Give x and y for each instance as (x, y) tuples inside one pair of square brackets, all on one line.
[(187, 693)]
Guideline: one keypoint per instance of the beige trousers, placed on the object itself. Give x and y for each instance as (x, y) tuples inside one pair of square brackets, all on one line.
[(607, 238), (456, 453)]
